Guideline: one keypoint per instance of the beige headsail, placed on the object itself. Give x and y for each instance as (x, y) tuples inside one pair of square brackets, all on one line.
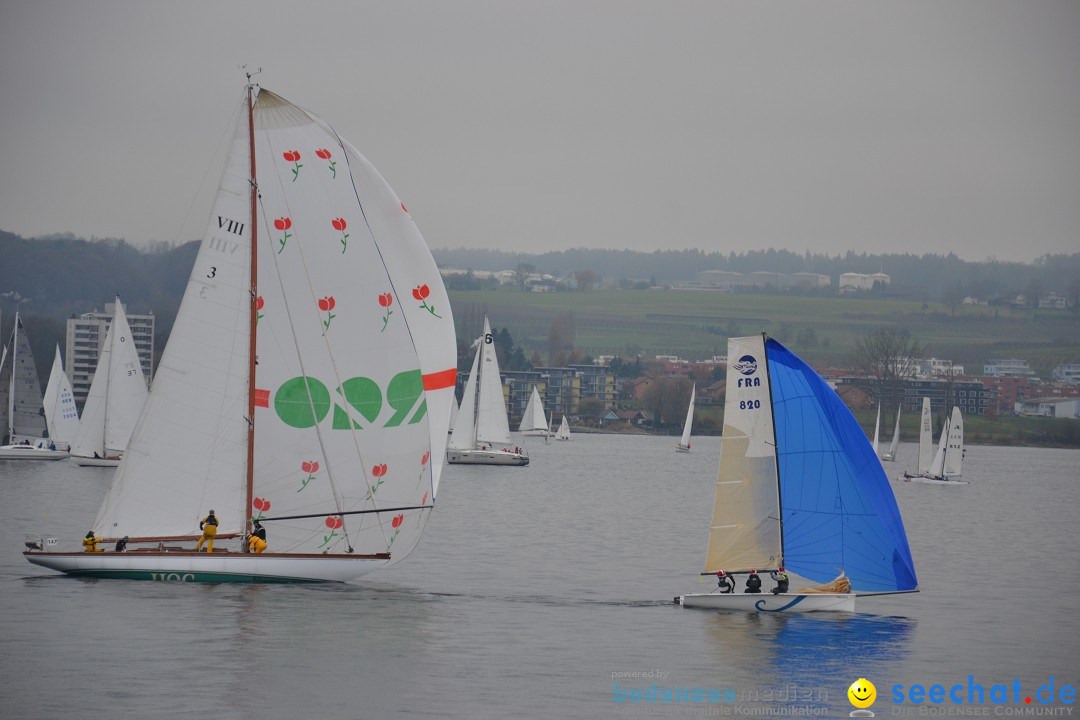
[(745, 529)]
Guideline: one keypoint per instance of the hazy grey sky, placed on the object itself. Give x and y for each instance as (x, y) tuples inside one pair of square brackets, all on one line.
[(887, 126)]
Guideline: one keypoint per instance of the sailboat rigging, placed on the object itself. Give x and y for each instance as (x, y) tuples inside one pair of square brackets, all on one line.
[(800, 489), (284, 395), (482, 432)]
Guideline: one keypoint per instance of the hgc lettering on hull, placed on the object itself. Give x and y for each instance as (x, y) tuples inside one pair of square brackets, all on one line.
[(173, 577)]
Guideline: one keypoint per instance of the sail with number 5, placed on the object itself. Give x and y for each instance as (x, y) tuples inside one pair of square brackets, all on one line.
[(307, 383)]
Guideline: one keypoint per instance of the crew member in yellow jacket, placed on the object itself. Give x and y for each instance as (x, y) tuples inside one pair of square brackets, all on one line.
[(208, 525), (90, 543), (257, 541)]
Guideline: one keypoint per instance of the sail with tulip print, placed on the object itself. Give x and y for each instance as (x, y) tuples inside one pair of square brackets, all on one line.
[(354, 367)]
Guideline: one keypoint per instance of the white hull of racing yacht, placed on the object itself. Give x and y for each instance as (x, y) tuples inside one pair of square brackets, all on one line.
[(485, 457), (219, 566), (769, 602), (30, 452)]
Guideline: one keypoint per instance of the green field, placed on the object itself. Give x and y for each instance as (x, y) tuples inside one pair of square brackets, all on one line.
[(695, 325)]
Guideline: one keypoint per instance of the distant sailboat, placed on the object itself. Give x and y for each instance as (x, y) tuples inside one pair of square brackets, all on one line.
[(61, 415), (482, 433), (117, 395), (890, 454), (306, 384), (564, 430), (22, 427), (946, 467), (799, 490), (684, 442), (533, 421)]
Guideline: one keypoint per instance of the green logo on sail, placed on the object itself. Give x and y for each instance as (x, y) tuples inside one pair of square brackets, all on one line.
[(304, 401)]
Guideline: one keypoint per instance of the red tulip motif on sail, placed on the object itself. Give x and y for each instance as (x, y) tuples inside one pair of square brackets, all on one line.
[(340, 225), (327, 304), (293, 156), (386, 300), (284, 224), (324, 154), (334, 522), (421, 292)]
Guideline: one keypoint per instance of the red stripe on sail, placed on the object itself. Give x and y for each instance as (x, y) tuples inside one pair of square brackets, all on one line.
[(440, 380), (262, 398)]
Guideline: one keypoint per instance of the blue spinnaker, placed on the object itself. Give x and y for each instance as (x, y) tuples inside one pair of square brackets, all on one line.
[(838, 510)]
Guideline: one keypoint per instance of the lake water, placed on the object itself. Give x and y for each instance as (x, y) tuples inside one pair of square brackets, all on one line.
[(536, 590)]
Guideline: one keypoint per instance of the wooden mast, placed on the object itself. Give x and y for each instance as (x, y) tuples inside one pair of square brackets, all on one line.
[(253, 317)]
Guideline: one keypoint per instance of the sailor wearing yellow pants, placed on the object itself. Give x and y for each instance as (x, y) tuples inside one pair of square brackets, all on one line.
[(208, 525), (90, 543), (257, 541)]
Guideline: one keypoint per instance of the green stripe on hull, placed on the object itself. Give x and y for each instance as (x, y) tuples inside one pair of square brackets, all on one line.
[(187, 576)]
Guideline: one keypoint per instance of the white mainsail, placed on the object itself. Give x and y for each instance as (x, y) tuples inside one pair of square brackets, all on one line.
[(564, 430), (954, 450), (685, 440), (61, 415), (938, 464), (745, 528), (463, 436), (117, 394), (877, 429), (533, 421), (926, 438), (24, 420), (890, 454), (492, 425), (354, 360)]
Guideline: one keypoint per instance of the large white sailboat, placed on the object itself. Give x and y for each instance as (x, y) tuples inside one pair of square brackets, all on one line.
[(947, 465), (286, 393), (23, 429), (533, 421), (61, 415), (684, 442), (800, 491), (117, 395), (482, 432)]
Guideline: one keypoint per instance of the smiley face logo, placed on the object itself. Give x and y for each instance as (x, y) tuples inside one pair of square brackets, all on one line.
[(862, 693)]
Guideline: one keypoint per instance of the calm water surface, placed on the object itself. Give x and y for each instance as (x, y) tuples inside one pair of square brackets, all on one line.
[(531, 587)]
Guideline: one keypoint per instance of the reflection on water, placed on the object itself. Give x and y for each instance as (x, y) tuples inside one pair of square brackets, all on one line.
[(815, 651), (530, 588)]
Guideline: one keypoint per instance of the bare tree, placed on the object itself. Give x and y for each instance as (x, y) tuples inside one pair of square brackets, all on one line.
[(667, 398), (889, 357)]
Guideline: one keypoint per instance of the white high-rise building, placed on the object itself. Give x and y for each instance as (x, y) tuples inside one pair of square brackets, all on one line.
[(86, 337)]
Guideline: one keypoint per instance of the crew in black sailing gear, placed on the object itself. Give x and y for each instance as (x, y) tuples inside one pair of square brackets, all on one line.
[(753, 583)]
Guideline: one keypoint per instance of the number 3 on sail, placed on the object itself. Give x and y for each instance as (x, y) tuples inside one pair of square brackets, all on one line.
[(286, 321)]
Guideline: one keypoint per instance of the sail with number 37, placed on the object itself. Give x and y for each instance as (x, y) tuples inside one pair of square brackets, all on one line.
[(307, 383)]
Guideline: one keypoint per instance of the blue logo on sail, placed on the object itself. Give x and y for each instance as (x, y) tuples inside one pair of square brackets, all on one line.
[(747, 365)]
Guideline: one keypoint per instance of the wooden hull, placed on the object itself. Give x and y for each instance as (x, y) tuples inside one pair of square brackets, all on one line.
[(768, 602), (189, 566), (28, 452), (485, 457)]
